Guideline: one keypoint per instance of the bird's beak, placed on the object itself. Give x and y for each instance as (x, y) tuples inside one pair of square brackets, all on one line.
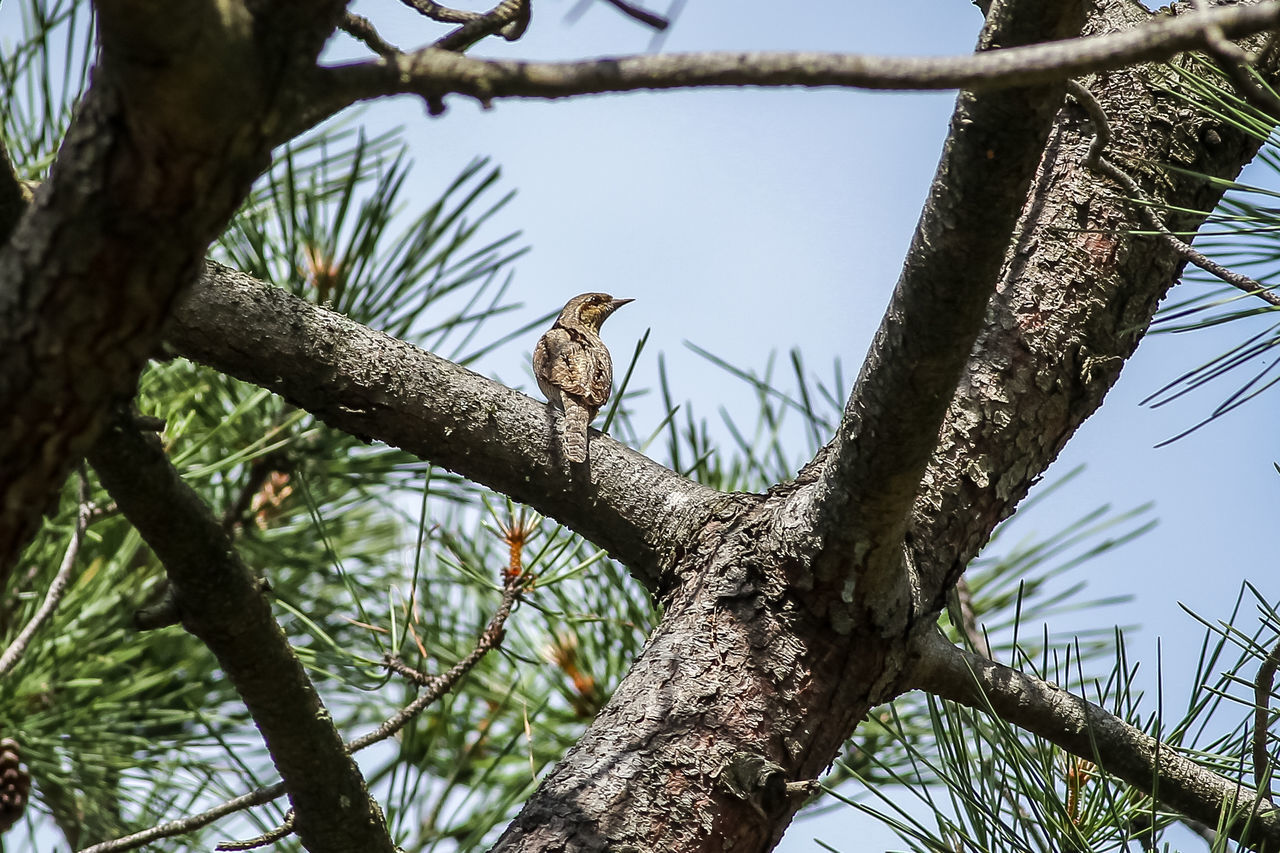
[(615, 304)]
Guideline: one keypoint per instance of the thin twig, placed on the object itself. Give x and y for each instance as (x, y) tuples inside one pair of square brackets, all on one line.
[(1261, 710), (1237, 65), (58, 587), (443, 14), (271, 836), (363, 30), (513, 584), (1095, 160), (437, 686), (257, 797), (510, 17)]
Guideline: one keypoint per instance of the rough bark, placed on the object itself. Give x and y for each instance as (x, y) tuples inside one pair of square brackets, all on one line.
[(871, 474), (370, 384), (1075, 297), (223, 603), (159, 155)]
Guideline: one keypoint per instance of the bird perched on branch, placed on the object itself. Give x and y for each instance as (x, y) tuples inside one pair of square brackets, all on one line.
[(573, 367)]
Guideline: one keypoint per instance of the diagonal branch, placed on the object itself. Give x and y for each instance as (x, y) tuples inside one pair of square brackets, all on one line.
[(178, 121), (223, 604), (1092, 733), (1063, 322), (57, 587), (434, 73), (370, 384), (1262, 684), (190, 823), (890, 426), (1096, 160), (12, 198)]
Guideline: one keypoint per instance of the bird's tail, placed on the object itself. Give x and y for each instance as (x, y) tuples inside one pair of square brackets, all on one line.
[(576, 419)]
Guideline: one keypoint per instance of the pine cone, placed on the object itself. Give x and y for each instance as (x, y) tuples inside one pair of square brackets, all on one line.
[(15, 784)]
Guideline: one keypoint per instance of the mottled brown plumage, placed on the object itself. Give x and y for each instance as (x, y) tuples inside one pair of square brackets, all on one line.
[(573, 367)]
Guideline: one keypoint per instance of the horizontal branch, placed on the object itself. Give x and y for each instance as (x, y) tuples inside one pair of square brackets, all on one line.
[(433, 73), (223, 604), (372, 385), (1092, 733)]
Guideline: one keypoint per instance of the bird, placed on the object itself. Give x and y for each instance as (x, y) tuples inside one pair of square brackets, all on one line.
[(573, 367)]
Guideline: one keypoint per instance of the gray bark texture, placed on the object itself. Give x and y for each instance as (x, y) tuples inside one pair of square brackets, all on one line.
[(787, 616)]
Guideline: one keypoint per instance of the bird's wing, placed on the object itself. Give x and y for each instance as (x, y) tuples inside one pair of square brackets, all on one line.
[(574, 366)]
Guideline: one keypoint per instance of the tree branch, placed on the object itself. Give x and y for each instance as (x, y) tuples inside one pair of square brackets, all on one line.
[(1262, 684), (1096, 161), (370, 384), (1065, 319), (182, 826), (435, 73), (180, 118), (12, 198), (222, 603), (872, 473), (57, 587), (1092, 733)]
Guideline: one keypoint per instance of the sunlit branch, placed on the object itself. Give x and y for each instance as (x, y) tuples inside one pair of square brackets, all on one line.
[(1091, 732), (434, 73)]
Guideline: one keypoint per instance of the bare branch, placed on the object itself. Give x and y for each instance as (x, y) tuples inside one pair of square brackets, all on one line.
[(379, 387), (443, 14), (363, 30), (510, 17), (637, 13), (433, 73), (191, 823), (222, 603), (437, 686), (271, 836), (1262, 768), (57, 587), (1237, 65), (1092, 733), (1147, 210)]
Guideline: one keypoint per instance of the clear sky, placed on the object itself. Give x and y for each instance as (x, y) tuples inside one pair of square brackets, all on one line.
[(756, 221)]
